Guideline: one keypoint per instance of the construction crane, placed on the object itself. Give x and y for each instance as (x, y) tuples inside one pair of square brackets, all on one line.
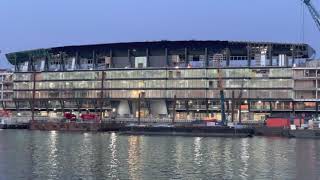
[(222, 99), (219, 58), (314, 13)]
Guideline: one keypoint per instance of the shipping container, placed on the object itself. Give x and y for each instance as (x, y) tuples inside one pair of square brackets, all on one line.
[(278, 122)]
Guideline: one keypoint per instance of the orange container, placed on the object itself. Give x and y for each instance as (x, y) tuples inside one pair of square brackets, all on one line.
[(278, 122)]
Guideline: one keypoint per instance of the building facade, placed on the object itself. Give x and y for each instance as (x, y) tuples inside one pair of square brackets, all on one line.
[(164, 79), (6, 90)]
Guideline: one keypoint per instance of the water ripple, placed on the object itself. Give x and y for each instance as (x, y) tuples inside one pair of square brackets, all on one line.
[(58, 155)]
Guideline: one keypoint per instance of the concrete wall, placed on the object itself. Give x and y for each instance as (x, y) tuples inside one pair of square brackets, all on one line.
[(158, 107), (123, 108)]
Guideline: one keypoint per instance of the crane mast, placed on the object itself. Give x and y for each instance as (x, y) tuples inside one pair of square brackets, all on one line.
[(222, 99), (314, 13)]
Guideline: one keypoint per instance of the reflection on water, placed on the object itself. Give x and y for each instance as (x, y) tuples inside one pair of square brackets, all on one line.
[(134, 157), (113, 161), (52, 156), (58, 155)]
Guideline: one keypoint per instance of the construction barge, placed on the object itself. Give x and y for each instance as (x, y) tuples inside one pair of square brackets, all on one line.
[(144, 129), (276, 127)]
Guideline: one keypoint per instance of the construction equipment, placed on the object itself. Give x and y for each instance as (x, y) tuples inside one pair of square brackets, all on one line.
[(314, 13)]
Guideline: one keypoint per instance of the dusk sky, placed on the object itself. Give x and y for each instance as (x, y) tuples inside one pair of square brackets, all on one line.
[(34, 24)]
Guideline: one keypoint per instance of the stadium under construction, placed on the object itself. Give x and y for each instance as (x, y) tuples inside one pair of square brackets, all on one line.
[(166, 79)]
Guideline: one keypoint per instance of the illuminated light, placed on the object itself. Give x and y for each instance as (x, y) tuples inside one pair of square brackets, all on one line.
[(277, 102), (246, 102), (259, 102), (245, 90), (19, 114), (229, 101), (114, 110), (87, 109), (177, 67), (54, 109), (198, 110)]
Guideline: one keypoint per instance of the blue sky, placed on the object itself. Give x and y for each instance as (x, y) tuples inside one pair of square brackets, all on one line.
[(47, 23)]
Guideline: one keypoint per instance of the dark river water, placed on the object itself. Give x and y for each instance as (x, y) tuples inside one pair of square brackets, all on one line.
[(59, 155)]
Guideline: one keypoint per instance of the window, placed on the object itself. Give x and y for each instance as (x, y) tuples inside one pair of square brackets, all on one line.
[(178, 74), (140, 65), (170, 74), (210, 84)]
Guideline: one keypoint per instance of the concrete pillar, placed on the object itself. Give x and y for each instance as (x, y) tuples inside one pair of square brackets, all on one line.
[(293, 53), (77, 60), (111, 55), (158, 107), (186, 56), (30, 64), (206, 57), (62, 65), (227, 57), (123, 108), (94, 59), (15, 64), (129, 58), (270, 54), (166, 56), (249, 55), (147, 56)]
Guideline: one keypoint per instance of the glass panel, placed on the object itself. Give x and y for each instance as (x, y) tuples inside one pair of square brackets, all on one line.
[(22, 77)]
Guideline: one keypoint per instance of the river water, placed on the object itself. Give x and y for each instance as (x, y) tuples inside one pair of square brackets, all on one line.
[(59, 155)]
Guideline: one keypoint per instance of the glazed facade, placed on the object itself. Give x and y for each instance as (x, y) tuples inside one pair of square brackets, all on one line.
[(171, 77)]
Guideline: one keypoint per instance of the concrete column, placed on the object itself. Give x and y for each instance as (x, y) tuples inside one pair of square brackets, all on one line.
[(46, 63), (286, 61), (147, 56), (62, 66), (15, 64), (166, 56), (186, 56), (293, 53), (94, 59), (270, 54), (249, 55), (227, 57), (77, 60), (30, 64), (111, 55), (129, 58), (206, 57)]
